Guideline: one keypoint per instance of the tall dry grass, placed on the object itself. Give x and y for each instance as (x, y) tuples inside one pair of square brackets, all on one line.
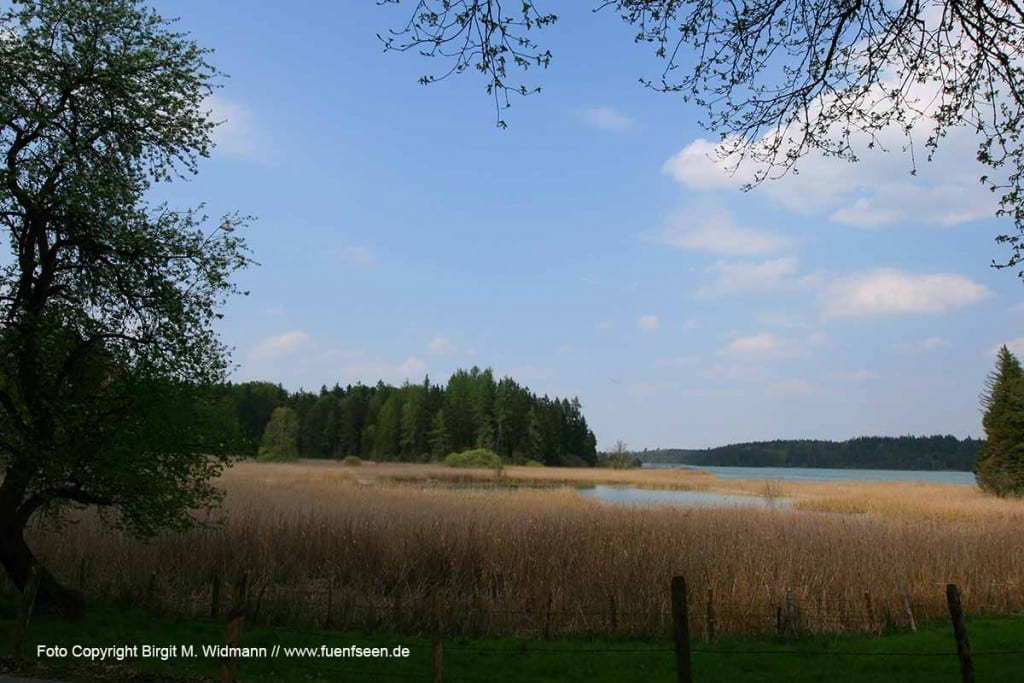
[(320, 547)]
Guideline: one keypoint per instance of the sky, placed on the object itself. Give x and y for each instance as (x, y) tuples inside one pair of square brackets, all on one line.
[(592, 249)]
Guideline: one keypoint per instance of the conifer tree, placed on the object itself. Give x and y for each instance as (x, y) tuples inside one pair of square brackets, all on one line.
[(1000, 465)]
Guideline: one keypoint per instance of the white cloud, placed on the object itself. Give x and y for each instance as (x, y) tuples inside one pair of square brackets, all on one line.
[(876, 191), (675, 362), (354, 254), (927, 344), (565, 348), (441, 346), (714, 231), (607, 118), (238, 133), (691, 324), (648, 323), (759, 344), (887, 291), (278, 344), (744, 276)]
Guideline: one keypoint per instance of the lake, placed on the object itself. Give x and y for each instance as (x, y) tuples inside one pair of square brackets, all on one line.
[(825, 474), (627, 495)]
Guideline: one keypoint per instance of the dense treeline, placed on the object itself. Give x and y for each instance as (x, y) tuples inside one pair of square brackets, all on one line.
[(414, 422), (866, 452)]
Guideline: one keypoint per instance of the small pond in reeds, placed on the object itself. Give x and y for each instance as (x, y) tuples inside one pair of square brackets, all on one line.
[(627, 495)]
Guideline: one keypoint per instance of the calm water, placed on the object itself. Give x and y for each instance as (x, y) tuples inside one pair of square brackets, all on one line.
[(625, 495), (823, 474)]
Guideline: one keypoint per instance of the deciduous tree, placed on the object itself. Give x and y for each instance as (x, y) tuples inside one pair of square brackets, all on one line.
[(107, 346)]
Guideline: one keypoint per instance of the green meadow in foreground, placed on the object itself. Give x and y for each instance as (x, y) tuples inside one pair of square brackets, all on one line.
[(928, 655)]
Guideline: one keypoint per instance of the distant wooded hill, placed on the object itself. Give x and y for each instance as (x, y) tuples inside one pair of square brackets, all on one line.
[(866, 452)]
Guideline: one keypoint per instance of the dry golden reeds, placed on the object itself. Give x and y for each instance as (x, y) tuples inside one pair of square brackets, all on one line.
[(351, 548)]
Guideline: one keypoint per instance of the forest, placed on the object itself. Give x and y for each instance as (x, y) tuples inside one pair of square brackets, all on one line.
[(866, 452), (414, 422)]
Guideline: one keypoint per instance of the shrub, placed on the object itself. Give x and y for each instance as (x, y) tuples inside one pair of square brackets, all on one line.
[(352, 460), (534, 463), (480, 457)]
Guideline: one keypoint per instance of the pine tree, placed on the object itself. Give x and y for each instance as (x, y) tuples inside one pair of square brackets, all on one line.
[(1000, 465), (440, 445)]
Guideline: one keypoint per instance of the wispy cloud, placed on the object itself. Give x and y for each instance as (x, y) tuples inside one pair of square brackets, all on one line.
[(676, 362), (715, 231), (854, 375), (441, 346), (354, 254), (238, 133), (730, 277), (648, 323), (891, 292), (760, 344), (369, 370), (278, 344), (607, 118), (923, 345)]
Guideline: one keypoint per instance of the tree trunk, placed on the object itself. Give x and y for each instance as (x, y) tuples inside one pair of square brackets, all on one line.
[(17, 559)]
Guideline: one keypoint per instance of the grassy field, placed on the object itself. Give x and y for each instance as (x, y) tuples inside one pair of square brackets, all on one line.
[(406, 548), (928, 655)]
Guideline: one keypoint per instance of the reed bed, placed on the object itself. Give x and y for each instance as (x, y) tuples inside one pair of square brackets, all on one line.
[(332, 546)]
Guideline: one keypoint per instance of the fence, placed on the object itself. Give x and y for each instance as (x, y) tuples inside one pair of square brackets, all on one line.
[(786, 618)]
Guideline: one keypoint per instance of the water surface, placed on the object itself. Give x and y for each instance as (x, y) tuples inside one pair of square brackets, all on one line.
[(627, 495)]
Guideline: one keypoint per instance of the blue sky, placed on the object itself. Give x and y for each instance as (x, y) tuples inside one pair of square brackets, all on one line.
[(592, 249)]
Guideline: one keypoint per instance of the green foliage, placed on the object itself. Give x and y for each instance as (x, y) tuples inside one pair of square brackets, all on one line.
[(352, 460), (1000, 465), (477, 458), (866, 452), (108, 354), (533, 463), (417, 422), (280, 438)]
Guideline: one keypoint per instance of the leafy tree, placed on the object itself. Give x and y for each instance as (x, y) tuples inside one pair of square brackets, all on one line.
[(1000, 465), (777, 79), (107, 346), (280, 438)]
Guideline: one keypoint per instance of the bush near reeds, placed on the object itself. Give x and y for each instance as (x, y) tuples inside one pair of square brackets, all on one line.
[(352, 460), (479, 457)]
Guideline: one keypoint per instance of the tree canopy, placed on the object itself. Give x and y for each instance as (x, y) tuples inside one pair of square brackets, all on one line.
[(108, 355), (778, 79), (415, 422)]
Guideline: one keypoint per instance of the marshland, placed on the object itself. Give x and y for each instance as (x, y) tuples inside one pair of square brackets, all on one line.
[(403, 548)]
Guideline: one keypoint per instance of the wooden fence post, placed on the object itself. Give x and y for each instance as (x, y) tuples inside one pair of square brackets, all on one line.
[(236, 618), (214, 596), (150, 591), (905, 597), (547, 615), (613, 612), (28, 601), (963, 648), (681, 630), (710, 615), (869, 605), (438, 657)]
